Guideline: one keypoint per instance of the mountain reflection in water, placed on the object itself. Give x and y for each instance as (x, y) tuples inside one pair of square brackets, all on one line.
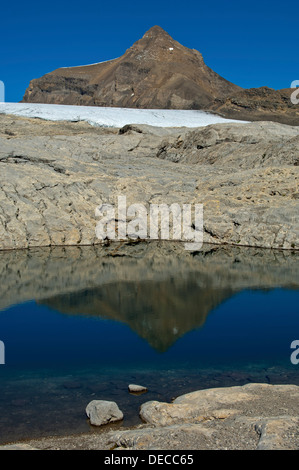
[(158, 289), (159, 312)]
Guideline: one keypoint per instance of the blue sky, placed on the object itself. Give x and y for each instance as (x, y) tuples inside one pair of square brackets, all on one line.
[(249, 43)]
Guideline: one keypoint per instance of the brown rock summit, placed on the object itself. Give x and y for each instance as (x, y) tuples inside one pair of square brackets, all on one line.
[(259, 104), (156, 72)]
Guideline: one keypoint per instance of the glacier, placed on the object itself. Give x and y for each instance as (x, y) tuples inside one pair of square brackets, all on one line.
[(114, 117)]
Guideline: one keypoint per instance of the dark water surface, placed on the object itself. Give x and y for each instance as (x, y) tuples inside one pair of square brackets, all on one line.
[(82, 323)]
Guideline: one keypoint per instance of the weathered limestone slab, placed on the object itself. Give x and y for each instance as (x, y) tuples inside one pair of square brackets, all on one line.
[(52, 179)]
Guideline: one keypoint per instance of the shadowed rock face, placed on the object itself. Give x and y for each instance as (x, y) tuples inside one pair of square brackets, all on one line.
[(152, 287), (156, 72), (259, 104)]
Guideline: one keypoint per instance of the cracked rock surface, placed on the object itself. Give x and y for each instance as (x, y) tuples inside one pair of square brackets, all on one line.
[(254, 416), (54, 175)]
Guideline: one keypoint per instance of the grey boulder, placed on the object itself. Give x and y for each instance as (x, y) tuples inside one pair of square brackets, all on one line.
[(133, 388), (102, 412)]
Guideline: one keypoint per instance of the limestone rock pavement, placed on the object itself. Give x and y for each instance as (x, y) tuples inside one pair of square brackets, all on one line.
[(53, 176), (253, 416)]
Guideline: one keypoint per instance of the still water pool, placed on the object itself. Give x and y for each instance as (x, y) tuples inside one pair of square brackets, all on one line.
[(82, 323)]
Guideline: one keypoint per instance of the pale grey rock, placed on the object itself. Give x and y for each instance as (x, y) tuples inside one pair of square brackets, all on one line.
[(247, 417), (212, 403), (133, 388), (166, 414), (161, 438), (245, 146), (276, 433), (17, 447), (52, 179), (102, 412)]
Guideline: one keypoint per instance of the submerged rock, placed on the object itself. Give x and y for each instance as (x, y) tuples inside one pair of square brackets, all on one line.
[(72, 385)]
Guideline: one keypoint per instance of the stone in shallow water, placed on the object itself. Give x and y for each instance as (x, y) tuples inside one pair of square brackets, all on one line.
[(133, 388), (102, 412)]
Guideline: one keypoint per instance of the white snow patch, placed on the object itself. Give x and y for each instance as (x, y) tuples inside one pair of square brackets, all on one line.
[(114, 117), (88, 65)]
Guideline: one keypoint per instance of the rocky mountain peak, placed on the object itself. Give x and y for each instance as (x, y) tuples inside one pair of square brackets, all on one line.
[(156, 31), (156, 72), (158, 45)]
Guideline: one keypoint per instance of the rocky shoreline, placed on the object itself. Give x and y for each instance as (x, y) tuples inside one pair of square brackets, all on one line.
[(249, 417)]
